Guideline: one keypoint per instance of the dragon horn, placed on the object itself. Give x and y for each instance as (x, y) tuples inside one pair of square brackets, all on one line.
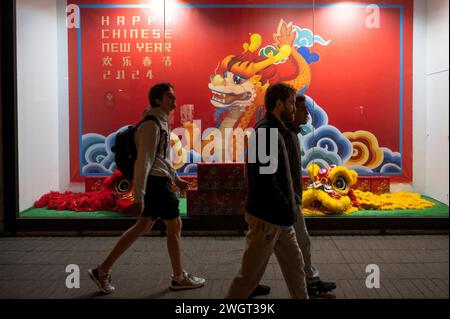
[(255, 43), (284, 52)]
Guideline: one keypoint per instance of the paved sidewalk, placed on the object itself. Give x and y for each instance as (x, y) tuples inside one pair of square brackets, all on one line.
[(410, 266)]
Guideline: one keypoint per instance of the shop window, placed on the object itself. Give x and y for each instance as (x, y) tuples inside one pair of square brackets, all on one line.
[(85, 67)]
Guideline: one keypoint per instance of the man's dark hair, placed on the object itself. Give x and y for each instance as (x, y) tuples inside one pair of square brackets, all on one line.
[(157, 92), (279, 91), (300, 99)]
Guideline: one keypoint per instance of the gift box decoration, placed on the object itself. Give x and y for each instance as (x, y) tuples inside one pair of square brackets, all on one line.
[(362, 184), (380, 185), (212, 202), (198, 203), (208, 176), (221, 176)]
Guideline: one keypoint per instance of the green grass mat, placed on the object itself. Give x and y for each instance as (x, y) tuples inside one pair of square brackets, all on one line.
[(42, 212), (439, 210)]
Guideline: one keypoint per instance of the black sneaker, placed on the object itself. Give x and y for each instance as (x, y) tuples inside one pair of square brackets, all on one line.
[(260, 290), (320, 287)]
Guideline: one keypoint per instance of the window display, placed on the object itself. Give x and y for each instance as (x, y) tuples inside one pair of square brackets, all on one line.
[(352, 62)]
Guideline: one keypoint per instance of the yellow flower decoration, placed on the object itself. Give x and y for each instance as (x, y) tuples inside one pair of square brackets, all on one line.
[(391, 201)]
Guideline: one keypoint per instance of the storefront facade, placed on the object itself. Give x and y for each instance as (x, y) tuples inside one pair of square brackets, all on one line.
[(74, 74)]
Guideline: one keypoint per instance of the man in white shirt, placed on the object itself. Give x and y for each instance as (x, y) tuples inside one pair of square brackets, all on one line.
[(154, 195)]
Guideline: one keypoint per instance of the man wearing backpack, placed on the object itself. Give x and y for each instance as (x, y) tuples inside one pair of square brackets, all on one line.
[(154, 197)]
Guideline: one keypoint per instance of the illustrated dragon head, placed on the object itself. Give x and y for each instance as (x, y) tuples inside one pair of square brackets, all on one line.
[(236, 85), (329, 191)]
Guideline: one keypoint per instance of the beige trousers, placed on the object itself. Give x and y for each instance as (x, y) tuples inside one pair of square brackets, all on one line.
[(304, 242), (262, 240)]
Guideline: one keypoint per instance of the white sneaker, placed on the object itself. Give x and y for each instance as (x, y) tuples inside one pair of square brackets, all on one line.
[(188, 281), (102, 280)]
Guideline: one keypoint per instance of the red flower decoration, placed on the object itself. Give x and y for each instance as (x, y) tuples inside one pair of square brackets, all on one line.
[(114, 196)]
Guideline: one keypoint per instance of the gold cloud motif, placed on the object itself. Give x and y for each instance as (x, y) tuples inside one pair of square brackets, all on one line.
[(366, 151)]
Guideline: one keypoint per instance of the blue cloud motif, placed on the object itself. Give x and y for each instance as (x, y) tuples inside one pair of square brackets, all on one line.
[(94, 169), (392, 162), (307, 55), (110, 141), (362, 170), (306, 129), (321, 143), (317, 135), (306, 38), (390, 168), (331, 139), (97, 157), (321, 157), (317, 116), (93, 148)]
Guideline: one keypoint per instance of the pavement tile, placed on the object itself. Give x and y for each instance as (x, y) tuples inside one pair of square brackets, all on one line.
[(348, 256), (431, 286), (323, 244), (278, 289), (270, 271), (215, 287), (407, 289), (34, 267), (351, 244), (359, 271), (442, 285), (437, 270), (413, 270), (336, 271), (327, 256), (277, 272), (347, 289), (362, 256), (11, 257), (388, 290), (224, 271), (361, 291), (435, 256), (394, 271), (423, 288)]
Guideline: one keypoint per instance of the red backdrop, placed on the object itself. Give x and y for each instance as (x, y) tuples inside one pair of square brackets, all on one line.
[(357, 79)]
